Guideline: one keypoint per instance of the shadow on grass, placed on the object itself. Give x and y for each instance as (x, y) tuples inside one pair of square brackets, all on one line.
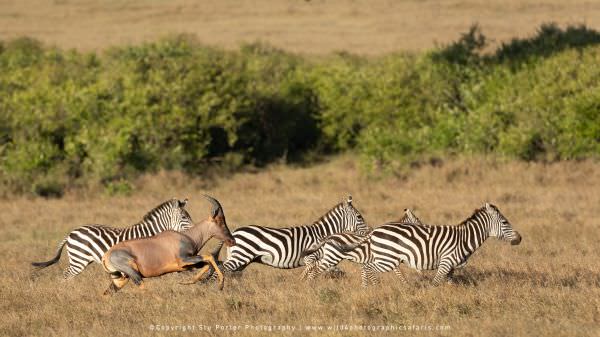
[(579, 278)]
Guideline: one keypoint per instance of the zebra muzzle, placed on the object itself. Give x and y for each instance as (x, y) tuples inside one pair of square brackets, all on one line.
[(516, 240)]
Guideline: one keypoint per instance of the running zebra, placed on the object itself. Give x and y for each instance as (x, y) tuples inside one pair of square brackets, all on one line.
[(282, 247), (431, 247), (88, 243), (327, 253)]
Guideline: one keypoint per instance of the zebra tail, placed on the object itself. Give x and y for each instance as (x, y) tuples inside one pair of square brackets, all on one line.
[(41, 265)]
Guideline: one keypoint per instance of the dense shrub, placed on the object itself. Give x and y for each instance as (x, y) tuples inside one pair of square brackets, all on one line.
[(69, 118)]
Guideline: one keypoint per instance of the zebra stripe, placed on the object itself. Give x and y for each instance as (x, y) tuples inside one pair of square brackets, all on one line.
[(326, 254), (88, 243), (282, 247), (431, 247)]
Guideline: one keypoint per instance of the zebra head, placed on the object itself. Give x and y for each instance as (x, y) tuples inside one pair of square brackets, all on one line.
[(176, 216), (499, 225), (352, 220), (410, 218)]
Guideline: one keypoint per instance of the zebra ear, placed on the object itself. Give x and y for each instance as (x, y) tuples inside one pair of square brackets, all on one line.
[(183, 203), (349, 200), (488, 206)]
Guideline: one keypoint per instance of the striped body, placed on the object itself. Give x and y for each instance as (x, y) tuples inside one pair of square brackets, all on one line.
[(327, 253), (88, 243), (430, 247), (283, 247)]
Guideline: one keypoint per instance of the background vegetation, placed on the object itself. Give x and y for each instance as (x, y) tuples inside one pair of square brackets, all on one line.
[(69, 118)]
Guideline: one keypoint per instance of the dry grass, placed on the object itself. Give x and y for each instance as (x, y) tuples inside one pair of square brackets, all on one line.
[(549, 285), (320, 26)]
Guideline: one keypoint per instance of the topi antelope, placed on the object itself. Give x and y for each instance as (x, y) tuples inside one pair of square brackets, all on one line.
[(166, 252), (88, 243)]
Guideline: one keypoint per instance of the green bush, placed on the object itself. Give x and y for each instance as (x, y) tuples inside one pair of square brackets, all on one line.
[(541, 105), (70, 118)]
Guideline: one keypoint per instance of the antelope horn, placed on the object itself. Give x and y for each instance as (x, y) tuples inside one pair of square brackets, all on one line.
[(215, 203)]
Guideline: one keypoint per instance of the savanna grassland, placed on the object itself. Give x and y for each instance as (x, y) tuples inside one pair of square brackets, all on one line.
[(547, 286), (315, 27), (280, 109)]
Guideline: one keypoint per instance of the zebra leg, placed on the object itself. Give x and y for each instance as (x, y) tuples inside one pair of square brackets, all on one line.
[(77, 264), (310, 272), (400, 275), (307, 271), (71, 271), (315, 271), (450, 277), (368, 275), (442, 273), (334, 271), (312, 263), (124, 262)]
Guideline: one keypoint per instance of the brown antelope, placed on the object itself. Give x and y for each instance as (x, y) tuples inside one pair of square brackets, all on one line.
[(166, 252)]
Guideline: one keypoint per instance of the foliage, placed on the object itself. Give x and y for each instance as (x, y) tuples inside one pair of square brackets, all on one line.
[(69, 118)]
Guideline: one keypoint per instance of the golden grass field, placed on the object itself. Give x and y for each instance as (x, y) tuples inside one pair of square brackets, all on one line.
[(371, 27), (547, 286)]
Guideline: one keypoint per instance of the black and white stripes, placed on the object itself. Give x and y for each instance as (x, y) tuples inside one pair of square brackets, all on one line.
[(327, 253), (432, 247), (419, 246), (282, 247), (88, 243)]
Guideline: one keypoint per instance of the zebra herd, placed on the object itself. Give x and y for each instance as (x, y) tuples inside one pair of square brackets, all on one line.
[(340, 234)]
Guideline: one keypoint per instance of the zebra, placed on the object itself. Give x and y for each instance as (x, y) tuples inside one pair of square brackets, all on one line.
[(326, 254), (444, 248), (88, 243), (282, 247)]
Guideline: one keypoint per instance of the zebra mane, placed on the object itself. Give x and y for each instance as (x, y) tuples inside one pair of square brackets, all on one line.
[(171, 203), (319, 220), (475, 214)]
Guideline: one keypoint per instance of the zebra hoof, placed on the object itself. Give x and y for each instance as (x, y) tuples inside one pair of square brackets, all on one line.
[(335, 273)]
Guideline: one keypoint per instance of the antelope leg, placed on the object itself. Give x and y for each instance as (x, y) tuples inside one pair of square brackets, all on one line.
[(210, 259), (198, 276)]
